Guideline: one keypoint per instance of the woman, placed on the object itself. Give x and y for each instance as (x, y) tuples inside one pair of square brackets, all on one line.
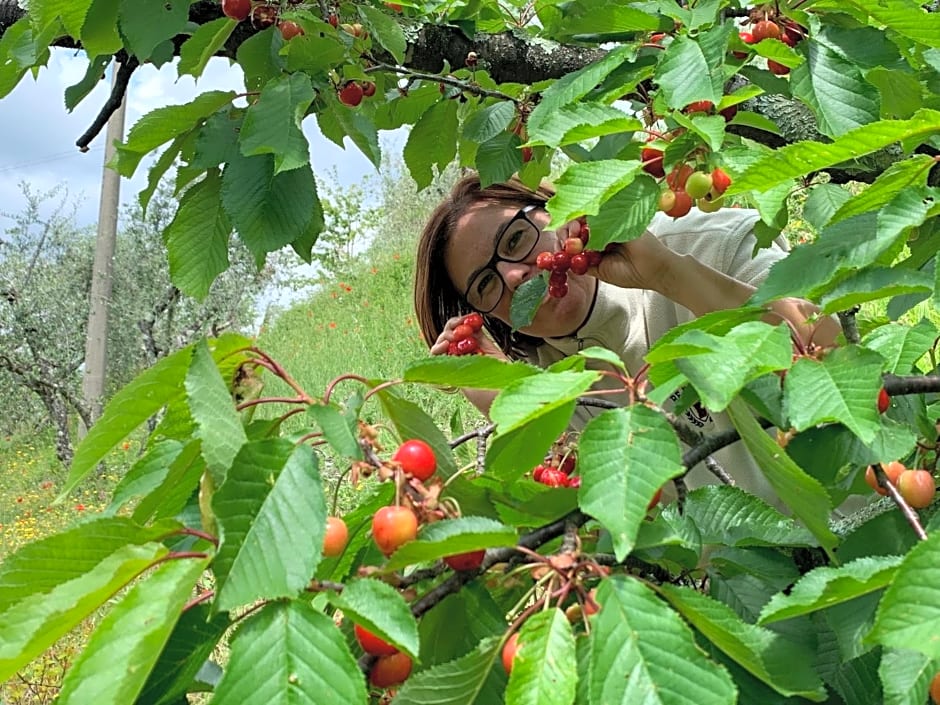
[(481, 244)]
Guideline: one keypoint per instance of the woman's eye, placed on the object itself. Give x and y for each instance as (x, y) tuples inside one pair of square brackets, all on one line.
[(485, 282), (512, 240)]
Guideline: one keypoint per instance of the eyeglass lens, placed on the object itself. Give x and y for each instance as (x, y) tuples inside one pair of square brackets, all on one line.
[(515, 244)]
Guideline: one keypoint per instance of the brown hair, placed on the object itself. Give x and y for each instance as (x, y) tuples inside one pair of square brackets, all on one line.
[(436, 299)]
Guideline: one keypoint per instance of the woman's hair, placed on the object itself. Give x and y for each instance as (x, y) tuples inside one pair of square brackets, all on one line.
[(436, 299)]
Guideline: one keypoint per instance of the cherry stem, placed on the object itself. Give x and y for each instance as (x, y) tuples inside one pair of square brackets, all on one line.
[(332, 385), (269, 400), (199, 599), (895, 494), (201, 534), (278, 370)]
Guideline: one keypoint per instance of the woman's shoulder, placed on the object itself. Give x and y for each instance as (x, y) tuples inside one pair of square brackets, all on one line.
[(726, 220)]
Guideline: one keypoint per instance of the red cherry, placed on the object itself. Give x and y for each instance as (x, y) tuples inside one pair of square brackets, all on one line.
[(585, 233), (558, 278), (526, 155), (390, 670), (765, 29), (237, 10), (935, 688), (568, 464), (884, 400), (580, 263), (368, 89), (656, 497), (747, 38), (720, 181), (574, 246), (558, 291), (289, 29), (700, 106), (652, 159), (334, 20), (372, 644), (467, 346), (553, 477), (561, 261), (509, 651), (591, 605), (544, 260), (462, 332), (336, 537), (466, 561), (682, 205), (729, 112), (350, 94), (474, 320), (392, 527), (263, 16), (574, 481), (678, 176), (594, 257), (537, 473), (917, 487), (452, 348), (777, 69), (393, 6), (417, 457)]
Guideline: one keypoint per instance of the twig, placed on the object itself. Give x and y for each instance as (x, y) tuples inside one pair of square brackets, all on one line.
[(905, 508), (849, 324), (126, 66)]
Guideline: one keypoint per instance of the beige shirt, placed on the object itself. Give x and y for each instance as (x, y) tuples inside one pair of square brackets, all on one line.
[(630, 321)]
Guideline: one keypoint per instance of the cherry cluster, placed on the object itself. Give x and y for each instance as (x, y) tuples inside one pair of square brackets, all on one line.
[(574, 257), (917, 487), (465, 341), (351, 93), (557, 472), (262, 14), (782, 29)]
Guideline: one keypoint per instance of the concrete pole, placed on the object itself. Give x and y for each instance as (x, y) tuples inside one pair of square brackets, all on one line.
[(96, 349)]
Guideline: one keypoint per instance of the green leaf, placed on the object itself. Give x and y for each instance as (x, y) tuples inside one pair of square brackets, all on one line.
[(218, 425), (459, 622), (785, 666), (526, 300), (268, 208), (543, 669), (909, 612), (514, 452), (71, 12), (841, 388), (290, 653), (873, 284), (385, 30), (50, 586), (272, 123), (145, 26), (579, 122), (642, 652), (732, 517), (150, 391), (585, 187), (382, 610), (746, 352), (272, 517), (100, 35), (628, 455), (626, 215), (575, 85), (498, 158), (450, 537), (905, 174), (411, 421), (145, 474), (179, 480), (470, 371), (197, 238), (905, 676), (432, 142), (527, 399), (826, 586), (902, 345), (906, 18), (339, 428), (801, 493), (901, 92), (11, 69), (488, 122), (355, 125), (468, 680), (781, 165), (685, 76), (93, 76), (260, 58), (203, 45), (156, 172), (163, 124), (124, 648)]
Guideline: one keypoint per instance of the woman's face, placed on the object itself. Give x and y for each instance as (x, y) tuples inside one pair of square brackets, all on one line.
[(473, 249)]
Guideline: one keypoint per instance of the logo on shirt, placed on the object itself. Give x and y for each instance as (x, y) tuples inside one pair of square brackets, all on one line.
[(697, 414)]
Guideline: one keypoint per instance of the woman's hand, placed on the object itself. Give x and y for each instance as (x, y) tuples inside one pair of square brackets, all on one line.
[(484, 344), (644, 263)]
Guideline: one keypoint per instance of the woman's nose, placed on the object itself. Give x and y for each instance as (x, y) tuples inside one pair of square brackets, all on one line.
[(513, 273)]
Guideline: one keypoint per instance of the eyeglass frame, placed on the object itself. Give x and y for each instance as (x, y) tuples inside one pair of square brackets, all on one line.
[(521, 214)]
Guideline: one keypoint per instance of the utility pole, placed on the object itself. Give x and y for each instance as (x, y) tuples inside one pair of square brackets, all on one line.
[(96, 340)]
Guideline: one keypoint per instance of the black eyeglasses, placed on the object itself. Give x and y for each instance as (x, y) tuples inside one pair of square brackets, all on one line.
[(514, 243)]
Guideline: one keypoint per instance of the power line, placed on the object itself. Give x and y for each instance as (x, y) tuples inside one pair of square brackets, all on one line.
[(45, 160)]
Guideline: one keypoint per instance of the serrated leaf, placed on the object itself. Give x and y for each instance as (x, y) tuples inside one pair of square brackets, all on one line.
[(197, 238), (785, 666), (488, 122), (902, 345), (159, 168), (124, 647), (627, 455), (100, 35), (909, 611), (498, 158), (905, 18), (150, 391), (145, 474), (471, 371), (526, 300), (746, 352), (840, 388), (578, 122), (450, 537), (642, 652), (382, 610), (411, 421), (685, 76), (781, 165), (585, 187), (901, 93), (804, 495), (93, 76), (269, 209), (163, 124), (218, 425), (145, 26), (11, 70), (385, 30), (431, 142), (905, 174), (290, 653), (826, 586), (273, 123), (458, 624), (272, 517), (627, 214), (170, 496), (577, 84), (468, 680), (340, 429), (72, 13), (905, 676), (202, 45), (732, 517), (527, 399), (514, 452), (875, 283), (543, 670)]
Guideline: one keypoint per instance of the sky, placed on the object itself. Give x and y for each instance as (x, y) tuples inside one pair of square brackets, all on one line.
[(40, 134)]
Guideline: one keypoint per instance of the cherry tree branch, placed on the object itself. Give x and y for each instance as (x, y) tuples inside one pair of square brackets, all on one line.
[(126, 66)]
